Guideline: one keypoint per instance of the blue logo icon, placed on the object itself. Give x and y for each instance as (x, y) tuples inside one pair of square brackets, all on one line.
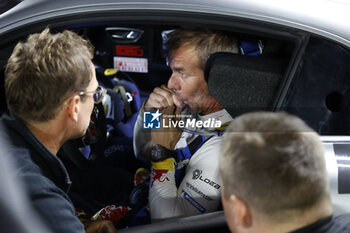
[(151, 120)]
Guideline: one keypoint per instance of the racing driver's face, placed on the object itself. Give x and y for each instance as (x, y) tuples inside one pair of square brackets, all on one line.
[(188, 82)]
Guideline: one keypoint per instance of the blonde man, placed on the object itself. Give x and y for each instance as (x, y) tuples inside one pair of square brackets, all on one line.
[(51, 89)]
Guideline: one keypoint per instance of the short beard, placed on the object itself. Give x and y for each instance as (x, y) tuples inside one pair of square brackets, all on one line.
[(196, 109)]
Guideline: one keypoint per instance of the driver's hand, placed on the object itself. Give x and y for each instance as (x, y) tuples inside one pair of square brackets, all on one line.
[(99, 226), (167, 137), (162, 99)]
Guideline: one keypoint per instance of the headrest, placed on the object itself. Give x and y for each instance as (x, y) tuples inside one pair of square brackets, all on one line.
[(244, 83)]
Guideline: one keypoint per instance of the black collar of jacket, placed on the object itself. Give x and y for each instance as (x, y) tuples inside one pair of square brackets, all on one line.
[(50, 165)]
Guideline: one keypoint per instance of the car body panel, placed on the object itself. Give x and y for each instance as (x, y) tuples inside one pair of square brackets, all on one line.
[(341, 202), (323, 17)]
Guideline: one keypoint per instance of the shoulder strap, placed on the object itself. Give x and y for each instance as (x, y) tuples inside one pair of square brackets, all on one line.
[(188, 152), (127, 107)]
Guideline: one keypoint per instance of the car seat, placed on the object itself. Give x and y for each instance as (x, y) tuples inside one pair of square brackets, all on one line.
[(244, 83)]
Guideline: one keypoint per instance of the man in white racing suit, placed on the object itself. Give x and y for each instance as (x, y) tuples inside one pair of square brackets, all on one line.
[(184, 178)]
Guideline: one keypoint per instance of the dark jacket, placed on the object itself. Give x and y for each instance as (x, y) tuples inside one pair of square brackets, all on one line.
[(44, 175), (339, 224)]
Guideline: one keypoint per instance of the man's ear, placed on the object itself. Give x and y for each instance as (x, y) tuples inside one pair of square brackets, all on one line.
[(241, 211), (73, 108)]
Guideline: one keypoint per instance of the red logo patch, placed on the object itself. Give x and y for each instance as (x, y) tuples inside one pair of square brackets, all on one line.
[(129, 50), (157, 175)]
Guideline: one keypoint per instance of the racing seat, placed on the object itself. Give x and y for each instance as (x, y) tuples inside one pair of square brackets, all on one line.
[(244, 83)]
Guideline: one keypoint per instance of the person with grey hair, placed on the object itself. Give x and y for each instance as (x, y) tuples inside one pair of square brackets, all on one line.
[(51, 89), (274, 177), (184, 177)]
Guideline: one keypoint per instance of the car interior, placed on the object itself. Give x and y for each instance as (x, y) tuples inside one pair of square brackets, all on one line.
[(286, 71)]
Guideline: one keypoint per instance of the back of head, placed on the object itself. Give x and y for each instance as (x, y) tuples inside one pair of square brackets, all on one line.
[(43, 71), (275, 163), (205, 41)]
